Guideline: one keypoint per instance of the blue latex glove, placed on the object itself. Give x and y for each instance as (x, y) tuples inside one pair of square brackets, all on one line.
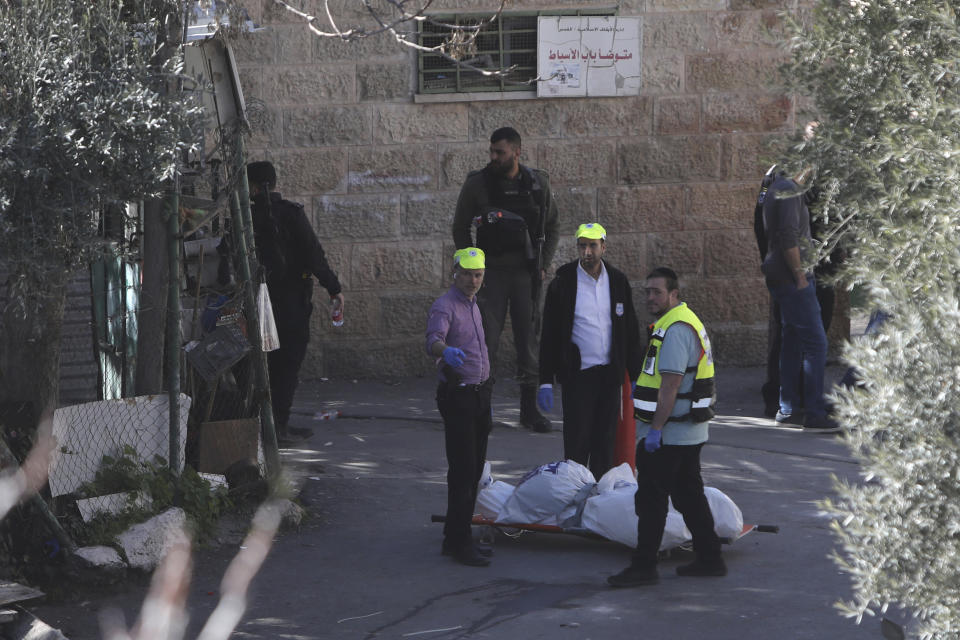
[(652, 442), (454, 357), (545, 398)]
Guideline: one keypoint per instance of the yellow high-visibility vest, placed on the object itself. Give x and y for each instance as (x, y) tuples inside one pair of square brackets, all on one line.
[(703, 394)]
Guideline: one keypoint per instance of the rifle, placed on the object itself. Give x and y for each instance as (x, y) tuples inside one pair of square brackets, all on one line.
[(539, 240)]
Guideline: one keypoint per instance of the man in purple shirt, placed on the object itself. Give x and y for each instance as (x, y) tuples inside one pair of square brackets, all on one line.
[(455, 338)]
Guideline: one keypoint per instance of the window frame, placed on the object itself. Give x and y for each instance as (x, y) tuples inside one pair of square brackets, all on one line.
[(502, 85)]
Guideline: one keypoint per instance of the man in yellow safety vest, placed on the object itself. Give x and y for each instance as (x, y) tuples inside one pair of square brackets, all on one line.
[(673, 403)]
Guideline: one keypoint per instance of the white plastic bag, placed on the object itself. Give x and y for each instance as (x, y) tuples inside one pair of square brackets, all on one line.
[(490, 499), (611, 513), (269, 339), (547, 494), (727, 517)]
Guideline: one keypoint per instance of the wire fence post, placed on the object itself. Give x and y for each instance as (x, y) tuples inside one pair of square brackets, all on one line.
[(173, 327), (242, 230)]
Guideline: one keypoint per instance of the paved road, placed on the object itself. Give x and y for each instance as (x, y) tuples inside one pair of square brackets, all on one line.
[(366, 563)]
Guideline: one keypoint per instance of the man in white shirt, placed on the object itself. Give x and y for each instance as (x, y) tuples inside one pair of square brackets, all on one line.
[(590, 338)]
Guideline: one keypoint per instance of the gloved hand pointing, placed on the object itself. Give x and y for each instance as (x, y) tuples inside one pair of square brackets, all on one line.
[(545, 398), (454, 357), (652, 442)]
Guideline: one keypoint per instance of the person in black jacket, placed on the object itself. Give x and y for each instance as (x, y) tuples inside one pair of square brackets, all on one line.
[(591, 336), (290, 254)]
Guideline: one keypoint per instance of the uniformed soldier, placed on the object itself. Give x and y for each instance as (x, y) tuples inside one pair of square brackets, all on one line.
[(291, 255), (512, 209)]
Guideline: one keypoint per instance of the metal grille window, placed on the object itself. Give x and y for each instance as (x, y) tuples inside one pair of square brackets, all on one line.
[(510, 39)]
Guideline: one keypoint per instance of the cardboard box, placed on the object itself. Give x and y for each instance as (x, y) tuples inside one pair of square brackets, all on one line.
[(227, 441)]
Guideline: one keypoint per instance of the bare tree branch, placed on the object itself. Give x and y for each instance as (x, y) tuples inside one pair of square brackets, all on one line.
[(455, 49)]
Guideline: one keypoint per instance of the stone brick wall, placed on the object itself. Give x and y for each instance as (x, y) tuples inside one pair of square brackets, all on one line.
[(671, 173)]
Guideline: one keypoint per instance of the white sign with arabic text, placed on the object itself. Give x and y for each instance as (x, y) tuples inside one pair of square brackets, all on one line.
[(588, 56)]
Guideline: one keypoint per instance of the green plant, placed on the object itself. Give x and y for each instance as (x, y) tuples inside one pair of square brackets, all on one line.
[(126, 472)]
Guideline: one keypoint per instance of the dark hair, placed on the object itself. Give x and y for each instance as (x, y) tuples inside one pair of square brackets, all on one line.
[(505, 133), (262, 173), (667, 274)]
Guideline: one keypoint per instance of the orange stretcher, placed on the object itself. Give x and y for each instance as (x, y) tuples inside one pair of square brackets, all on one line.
[(509, 528)]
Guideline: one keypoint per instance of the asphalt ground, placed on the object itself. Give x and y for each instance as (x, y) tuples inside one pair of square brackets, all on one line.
[(366, 562)]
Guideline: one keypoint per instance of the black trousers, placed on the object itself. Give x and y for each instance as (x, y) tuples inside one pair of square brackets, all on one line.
[(510, 290), (770, 390), (591, 409), (284, 368), (466, 426), (672, 471)]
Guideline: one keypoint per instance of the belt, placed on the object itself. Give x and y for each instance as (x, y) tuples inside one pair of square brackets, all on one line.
[(466, 387)]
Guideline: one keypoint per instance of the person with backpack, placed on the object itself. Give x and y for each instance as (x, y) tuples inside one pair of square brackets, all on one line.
[(511, 208), (291, 256)]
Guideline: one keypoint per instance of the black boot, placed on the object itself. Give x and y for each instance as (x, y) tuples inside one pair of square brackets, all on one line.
[(530, 417)]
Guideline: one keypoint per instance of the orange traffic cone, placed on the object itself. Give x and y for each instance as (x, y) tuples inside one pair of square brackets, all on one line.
[(625, 447)]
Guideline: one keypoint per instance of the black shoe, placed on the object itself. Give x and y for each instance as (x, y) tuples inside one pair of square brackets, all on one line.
[(634, 577), (530, 416), (447, 550), (700, 569), (788, 418), (820, 424), (471, 557)]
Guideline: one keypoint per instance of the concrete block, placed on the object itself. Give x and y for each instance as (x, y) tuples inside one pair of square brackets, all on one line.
[(628, 252), (686, 32), (680, 251), (384, 82), (405, 314), (738, 346), (747, 30), (358, 218), (313, 171), (662, 73), (266, 126), (393, 168), (587, 162), (730, 252), (381, 266), (87, 432), (747, 156), (146, 544), (323, 126), (394, 124), (721, 205), (575, 205), (257, 48), (738, 112), (113, 503), (457, 160), (428, 214), (294, 43), (385, 359), (670, 159), (733, 71), (641, 208), (613, 117), (105, 558), (532, 118), (678, 114), (297, 85)]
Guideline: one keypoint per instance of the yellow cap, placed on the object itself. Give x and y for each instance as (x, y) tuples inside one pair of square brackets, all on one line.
[(592, 230), (469, 258)]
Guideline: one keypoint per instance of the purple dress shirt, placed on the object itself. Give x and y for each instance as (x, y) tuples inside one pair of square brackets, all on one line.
[(456, 320)]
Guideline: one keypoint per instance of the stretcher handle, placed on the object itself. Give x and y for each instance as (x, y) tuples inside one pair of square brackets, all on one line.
[(768, 528)]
